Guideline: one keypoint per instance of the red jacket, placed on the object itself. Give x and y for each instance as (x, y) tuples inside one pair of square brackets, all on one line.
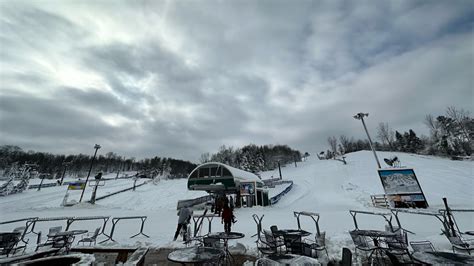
[(227, 215)]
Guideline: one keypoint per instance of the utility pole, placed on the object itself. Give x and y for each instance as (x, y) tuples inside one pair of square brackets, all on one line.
[(96, 147), (360, 116)]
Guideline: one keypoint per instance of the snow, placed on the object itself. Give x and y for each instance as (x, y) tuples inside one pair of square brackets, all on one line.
[(326, 187)]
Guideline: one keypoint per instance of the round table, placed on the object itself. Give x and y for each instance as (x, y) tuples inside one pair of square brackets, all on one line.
[(291, 233), (226, 236), (445, 258), (195, 255)]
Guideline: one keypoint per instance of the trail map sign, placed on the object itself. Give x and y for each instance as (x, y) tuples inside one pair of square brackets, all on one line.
[(247, 188), (402, 188)]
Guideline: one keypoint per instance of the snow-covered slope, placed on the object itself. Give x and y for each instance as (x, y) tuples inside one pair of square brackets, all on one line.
[(327, 187)]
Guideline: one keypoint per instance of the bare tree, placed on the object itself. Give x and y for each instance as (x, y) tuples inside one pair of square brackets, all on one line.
[(205, 157), (333, 144), (385, 134), (461, 117)]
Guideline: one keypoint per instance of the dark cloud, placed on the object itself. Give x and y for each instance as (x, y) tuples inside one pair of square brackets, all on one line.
[(177, 78)]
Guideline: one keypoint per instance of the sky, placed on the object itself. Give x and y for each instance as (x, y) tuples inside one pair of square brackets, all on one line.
[(182, 78)]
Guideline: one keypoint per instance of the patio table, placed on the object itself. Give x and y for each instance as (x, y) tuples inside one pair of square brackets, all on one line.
[(444, 258), (195, 255), (225, 237)]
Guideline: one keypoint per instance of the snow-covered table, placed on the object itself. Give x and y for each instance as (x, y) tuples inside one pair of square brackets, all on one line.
[(226, 236), (195, 255), (445, 258)]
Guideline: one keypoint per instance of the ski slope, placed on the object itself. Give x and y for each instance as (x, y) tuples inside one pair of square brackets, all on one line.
[(324, 186)]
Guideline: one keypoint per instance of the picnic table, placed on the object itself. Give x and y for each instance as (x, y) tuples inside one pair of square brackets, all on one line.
[(197, 254)]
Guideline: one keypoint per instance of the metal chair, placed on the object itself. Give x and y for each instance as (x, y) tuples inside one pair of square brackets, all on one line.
[(458, 243), (263, 246), (361, 243), (51, 239), (422, 246), (8, 242), (55, 230), (91, 239)]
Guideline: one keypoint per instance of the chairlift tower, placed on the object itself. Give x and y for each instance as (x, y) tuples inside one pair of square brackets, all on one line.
[(360, 116)]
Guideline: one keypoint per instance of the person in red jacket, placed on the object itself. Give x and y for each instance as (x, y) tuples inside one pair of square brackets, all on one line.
[(227, 215)]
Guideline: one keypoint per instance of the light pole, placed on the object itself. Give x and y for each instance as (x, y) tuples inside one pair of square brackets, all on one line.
[(96, 147), (360, 116)]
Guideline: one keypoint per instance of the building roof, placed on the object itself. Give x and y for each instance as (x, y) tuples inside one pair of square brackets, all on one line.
[(236, 173)]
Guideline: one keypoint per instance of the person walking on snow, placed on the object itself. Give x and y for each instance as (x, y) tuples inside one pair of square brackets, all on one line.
[(227, 217), (184, 218)]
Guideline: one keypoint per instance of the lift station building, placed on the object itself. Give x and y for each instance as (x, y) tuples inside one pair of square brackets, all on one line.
[(221, 179)]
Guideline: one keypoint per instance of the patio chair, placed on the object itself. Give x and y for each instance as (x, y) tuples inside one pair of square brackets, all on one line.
[(396, 261), (274, 230), (264, 247), (319, 244), (51, 239), (361, 243), (90, 238), (459, 243), (54, 230), (422, 246), (272, 242), (21, 231), (8, 242)]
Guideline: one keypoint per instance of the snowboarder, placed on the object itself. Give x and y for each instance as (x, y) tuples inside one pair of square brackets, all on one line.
[(227, 218), (185, 215)]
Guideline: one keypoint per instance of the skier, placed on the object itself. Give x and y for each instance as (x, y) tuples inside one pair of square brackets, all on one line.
[(227, 218), (185, 215)]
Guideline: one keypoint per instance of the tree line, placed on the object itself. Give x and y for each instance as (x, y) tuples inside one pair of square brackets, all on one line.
[(253, 158), (78, 165), (451, 135)]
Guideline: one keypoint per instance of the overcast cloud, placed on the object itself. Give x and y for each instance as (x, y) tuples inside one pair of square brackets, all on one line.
[(181, 78)]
